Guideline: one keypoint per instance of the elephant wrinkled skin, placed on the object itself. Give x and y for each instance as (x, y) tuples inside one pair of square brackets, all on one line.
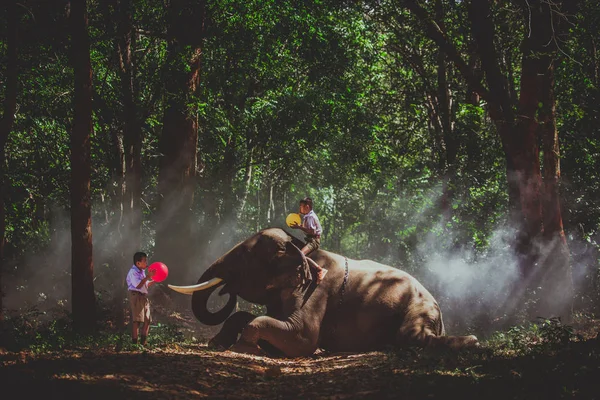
[(359, 306)]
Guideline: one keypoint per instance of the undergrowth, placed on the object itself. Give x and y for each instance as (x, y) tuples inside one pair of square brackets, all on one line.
[(44, 331), (40, 331), (544, 335)]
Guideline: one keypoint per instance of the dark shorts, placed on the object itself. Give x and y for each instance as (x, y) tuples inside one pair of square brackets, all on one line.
[(312, 243)]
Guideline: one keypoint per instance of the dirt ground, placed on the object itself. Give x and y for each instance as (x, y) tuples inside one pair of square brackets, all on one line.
[(178, 371)]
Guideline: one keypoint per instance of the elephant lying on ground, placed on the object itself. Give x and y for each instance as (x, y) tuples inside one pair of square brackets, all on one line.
[(359, 305)]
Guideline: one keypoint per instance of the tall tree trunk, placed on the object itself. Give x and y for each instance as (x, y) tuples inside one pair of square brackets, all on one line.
[(519, 131), (444, 107), (271, 209), (126, 216), (500, 106), (518, 134), (596, 64), (210, 207), (118, 257), (552, 217), (175, 242), (8, 118), (444, 99), (82, 267), (247, 180), (227, 172), (280, 211), (557, 296), (132, 207), (543, 245), (258, 204)]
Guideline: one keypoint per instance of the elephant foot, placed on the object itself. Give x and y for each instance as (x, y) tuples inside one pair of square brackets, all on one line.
[(222, 341), (471, 341), (216, 346), (454, 342), (247, 348)]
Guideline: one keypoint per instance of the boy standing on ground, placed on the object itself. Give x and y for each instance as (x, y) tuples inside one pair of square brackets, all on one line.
[(312, 228), (137, 286)]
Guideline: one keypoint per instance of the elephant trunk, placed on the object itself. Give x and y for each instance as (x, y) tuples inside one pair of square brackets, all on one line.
[(200, 301)]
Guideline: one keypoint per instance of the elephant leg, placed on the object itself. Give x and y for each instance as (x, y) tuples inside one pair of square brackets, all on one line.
[(293, 339), (424, 336), (232, 327), (455, 342)]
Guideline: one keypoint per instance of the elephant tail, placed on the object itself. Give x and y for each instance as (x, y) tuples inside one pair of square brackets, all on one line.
[(429, 338), (443, 328), (439, 328)]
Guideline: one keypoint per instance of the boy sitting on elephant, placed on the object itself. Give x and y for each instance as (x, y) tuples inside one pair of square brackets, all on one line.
[(312, 228)]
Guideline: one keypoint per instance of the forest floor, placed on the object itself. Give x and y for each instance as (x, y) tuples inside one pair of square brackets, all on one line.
[(189, 370)]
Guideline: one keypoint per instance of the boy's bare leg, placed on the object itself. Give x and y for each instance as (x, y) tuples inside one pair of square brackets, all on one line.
[(134, 331), (145, 329), (319, 272)]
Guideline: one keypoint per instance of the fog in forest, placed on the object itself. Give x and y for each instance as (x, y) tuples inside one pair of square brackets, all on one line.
[(472, 287), (467, 283)]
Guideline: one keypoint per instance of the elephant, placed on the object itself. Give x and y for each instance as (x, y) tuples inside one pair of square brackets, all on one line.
[(359, 306)]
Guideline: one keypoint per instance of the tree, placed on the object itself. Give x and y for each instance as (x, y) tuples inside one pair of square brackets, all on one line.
[(82, 266), (534, 201), (132, 135), (6, 124), (179, 139), (352, 103)]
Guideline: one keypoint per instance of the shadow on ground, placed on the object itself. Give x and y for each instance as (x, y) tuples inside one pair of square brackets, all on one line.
[(193, 371)]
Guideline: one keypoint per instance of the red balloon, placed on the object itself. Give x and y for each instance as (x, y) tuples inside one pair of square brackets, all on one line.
[(161, 271)]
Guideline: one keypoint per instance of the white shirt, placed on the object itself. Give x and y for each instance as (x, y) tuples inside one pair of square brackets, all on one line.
[(134, 277), (311, 221)]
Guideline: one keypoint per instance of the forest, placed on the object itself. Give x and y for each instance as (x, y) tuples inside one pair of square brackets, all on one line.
[(455, 140)]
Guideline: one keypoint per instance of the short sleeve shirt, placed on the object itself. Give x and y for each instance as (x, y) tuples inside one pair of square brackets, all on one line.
[(134, 277), (311, 221)]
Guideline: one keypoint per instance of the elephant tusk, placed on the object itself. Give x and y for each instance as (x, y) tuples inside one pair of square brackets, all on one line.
[(194, 288)]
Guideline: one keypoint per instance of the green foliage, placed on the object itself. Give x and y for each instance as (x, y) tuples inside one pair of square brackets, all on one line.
[(45, 331), (331, 100), (32, 329), (163, 334), (554, 333), (541, 337)]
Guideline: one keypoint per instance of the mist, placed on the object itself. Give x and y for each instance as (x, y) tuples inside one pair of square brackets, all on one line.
[(41, 280), (476, 288), (469, 285), (472, 286)]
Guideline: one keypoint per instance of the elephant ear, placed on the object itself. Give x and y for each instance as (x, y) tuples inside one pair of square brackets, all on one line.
[(289, 259), (303, 268)]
